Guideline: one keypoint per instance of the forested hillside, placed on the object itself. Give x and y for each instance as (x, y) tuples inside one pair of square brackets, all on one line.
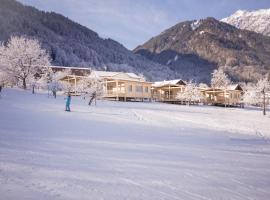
[(71, 44)]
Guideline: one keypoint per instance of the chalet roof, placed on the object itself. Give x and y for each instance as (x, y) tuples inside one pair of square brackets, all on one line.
[(64, 67), (78, 71), (111, 74), (117, 75), (169, 82), (235, 87), (229, 88)]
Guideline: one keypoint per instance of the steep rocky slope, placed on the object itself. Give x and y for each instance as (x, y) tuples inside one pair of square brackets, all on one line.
[(194, 48)]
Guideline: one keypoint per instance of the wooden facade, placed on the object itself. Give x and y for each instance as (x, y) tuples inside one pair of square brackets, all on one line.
[(128, 86), (231, 96), (166, 91), (116, 85), (124, 86)]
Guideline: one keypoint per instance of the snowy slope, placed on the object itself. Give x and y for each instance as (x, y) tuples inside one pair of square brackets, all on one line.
[(120, 150), (257, 21)]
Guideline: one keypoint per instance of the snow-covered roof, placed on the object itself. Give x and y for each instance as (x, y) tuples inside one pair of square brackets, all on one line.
[(64, 67), (235, 87), (102, 74), (117, 75), (77, 71), (111, 74), (169, 82), (230, 87)]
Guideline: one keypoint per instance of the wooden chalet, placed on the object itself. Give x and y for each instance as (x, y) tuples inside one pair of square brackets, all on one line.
[(166, 91), (75, 74), (116, 85), (230, 96), (124, 86)]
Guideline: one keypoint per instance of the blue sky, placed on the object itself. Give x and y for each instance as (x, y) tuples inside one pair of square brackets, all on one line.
[(133, 22)]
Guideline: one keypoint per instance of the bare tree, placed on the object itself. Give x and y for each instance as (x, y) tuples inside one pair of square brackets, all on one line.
[(21, 58)]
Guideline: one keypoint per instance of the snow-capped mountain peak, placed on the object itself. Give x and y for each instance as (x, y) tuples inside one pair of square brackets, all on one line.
[(258, 21)]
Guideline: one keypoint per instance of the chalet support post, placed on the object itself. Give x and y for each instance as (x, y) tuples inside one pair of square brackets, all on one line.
[(125, 98), (117, 91), (106, 87), (169, 92), (96, 94), (135, 91), (142, 92), (75, 84), (68, 83)]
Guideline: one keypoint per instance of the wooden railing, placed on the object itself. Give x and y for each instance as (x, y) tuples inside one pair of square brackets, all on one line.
[(163, 97)]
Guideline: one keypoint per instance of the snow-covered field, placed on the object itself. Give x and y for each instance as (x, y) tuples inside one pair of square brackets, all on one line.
[(120, 150)]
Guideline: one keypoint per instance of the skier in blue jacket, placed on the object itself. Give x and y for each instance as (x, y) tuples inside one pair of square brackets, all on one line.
[(68, 100)]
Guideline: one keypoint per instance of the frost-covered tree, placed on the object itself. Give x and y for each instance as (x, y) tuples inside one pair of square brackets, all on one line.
[(190, 94), (142, 76), (2, 81), (21, 59), (263, 86), (53, 81), (91, 87), (252, 97), (255, 94), (58, 84), (220, 79)]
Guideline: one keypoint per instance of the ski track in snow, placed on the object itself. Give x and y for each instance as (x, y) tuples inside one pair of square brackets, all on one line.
[(119, 150)]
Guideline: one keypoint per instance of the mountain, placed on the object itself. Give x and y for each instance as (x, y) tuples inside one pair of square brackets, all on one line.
[(257, 21), (71, 44), (195, 48)]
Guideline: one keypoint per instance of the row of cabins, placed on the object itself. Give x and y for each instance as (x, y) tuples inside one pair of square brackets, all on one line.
[(116, 85), (166, 91), (130, 87)]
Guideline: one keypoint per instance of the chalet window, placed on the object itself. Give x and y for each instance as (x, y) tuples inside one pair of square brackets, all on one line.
[(130, 88), (139, 88), (146, 89)]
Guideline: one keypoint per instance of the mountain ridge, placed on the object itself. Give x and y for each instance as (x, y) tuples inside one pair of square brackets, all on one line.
[(71, 44), (257, 21), (211, 44), (188, 50)]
